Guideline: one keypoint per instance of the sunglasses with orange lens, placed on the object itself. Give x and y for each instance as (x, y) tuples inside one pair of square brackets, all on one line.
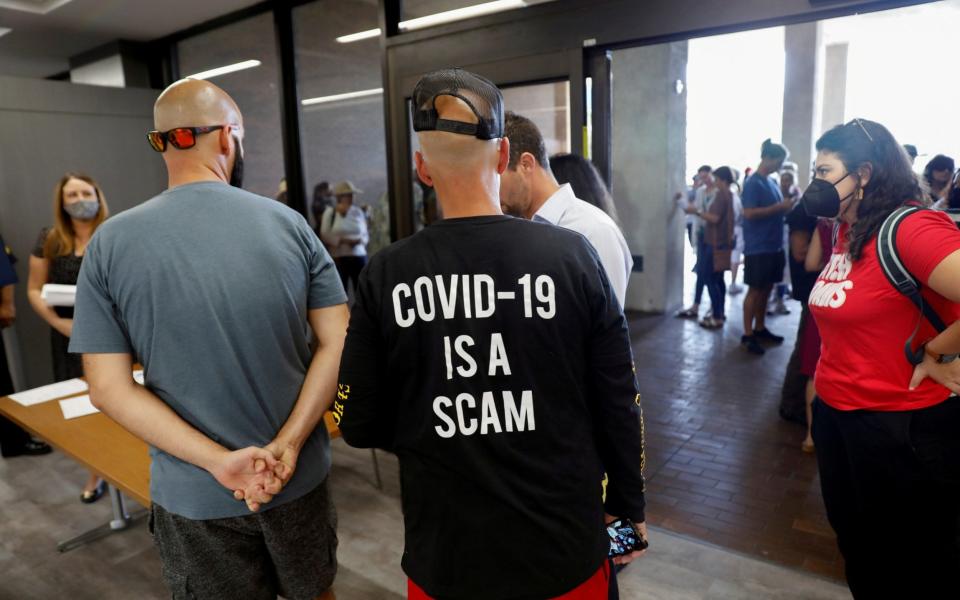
[(180, 138)]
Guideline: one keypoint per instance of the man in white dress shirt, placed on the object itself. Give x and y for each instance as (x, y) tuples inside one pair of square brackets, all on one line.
[(529, 190)]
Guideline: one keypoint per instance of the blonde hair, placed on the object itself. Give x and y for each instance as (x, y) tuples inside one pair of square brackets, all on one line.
[(61, 240)]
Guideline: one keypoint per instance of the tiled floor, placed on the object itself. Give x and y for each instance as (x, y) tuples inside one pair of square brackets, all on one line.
[(721, 465), (38, 506)]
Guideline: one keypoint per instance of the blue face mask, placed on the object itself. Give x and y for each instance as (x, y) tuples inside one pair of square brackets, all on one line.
[(83, 210)]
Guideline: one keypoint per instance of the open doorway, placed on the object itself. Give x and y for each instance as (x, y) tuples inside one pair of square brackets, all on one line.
[(722, 465)]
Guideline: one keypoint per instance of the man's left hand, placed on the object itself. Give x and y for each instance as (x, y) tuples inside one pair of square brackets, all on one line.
[(286, 455), (641, 529)]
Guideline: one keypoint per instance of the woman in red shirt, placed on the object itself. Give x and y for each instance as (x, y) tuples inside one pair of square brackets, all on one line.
[(887, 433)]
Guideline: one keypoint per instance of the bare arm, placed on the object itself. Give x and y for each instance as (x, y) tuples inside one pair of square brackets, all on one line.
[(814, 259), (139, 411), (768, 211), (690, 209), (365, 234), (40, 275), (326, 228), (799, 245), (330, 326), (8, 310), (945, 280)]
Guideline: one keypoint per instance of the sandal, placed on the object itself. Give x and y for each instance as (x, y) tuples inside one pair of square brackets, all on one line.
[(689, 313), (808, 447)]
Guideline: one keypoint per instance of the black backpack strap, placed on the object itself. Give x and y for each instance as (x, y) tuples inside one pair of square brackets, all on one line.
[(900, 277)]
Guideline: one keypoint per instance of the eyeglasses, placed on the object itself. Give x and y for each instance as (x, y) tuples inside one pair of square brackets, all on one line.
[(180, 137), (862, 128)]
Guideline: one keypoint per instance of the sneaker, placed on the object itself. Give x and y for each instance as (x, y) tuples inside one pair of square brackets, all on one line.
[(781, 309), (752, 345), (734, 289), (689, 313), (711, 323), (764, 335)]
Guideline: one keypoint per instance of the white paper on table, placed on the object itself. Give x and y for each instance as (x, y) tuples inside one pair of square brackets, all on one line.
[(138, 376), (50, 392), (79, 406), (55, 294)]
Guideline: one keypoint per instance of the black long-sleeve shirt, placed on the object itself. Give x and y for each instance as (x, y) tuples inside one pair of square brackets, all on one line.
[(492, 356)]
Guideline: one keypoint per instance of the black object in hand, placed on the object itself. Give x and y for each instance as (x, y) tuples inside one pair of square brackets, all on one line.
[(624, 538)]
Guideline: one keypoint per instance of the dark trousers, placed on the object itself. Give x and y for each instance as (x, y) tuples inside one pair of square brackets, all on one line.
[(701, 271), (793, 400), (66, 365), (891, 486), (712, 280), (717, 288), (698, 291), (349, 268), (12, 438), (614, 591)]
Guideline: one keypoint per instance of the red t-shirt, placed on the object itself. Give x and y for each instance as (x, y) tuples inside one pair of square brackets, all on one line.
[(864, 322)]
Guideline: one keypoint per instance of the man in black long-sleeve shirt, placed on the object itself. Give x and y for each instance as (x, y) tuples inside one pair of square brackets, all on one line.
[(492, 356)]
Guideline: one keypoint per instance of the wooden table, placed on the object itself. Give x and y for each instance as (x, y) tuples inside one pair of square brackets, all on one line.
[(100, 444)]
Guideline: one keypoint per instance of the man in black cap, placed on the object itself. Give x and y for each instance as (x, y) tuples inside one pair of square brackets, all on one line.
[(491, 355)]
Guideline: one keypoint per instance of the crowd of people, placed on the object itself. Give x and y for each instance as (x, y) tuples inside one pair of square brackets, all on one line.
[(490, 351)]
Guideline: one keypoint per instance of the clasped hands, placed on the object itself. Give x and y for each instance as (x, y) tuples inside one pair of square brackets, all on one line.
[(256, 475)]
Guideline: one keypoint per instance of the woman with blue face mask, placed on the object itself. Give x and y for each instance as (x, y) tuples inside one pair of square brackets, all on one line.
[(78, 209)]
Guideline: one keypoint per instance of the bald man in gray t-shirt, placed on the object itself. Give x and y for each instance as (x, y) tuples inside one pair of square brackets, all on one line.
[(215, 291)]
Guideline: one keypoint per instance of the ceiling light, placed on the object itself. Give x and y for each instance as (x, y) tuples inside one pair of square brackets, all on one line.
[(240, 66), (339, 97), (39, 7), (448, 16), (461, 13), (356, 37)]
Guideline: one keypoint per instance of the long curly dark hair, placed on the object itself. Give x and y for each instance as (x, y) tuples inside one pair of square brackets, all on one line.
[(892, 181)]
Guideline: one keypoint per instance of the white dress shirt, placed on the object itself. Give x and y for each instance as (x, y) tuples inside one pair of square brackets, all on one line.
[(335, 229), (566, 210)]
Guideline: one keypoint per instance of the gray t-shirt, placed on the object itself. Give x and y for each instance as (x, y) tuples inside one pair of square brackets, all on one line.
[(208, 286)]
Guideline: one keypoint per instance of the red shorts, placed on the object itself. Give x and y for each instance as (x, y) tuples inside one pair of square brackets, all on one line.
[(595, 588)]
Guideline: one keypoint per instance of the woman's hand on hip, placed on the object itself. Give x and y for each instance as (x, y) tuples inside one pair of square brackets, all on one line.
[(946, 374)]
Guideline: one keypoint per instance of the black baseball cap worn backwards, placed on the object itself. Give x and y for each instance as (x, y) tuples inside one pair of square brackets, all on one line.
[(483, 98)]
